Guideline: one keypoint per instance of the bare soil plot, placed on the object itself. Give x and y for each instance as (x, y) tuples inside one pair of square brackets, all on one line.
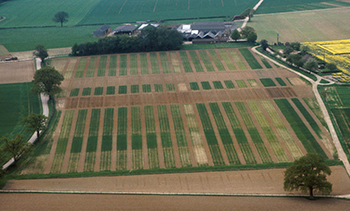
[(16, 72)]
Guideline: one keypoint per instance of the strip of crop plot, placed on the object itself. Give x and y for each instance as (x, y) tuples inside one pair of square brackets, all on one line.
[(254, 134), (239, 133), (133, 64), (62, 141), (122, 138), (224, 134), (248, 56), (123, 65), (86, 91), (81, 67), (136, 138), (229, 84), (185, 62), (151, 138), (165, 62), (101, 71), (196, 62), (206, 85), (90, 72), (154, 63), (184, 153), (308, 117), (282, 130), (252, 82), (106, 147), (241, 84), (210, 135), (135, 89), (218, 85), (167, 144), (175, 62), (112, 70), (146, 88), (216, 60), (74, 92), (237, 59), (77, 141), (281, 82), (300, 129), (227, 60), (92, 140), (144, 64), (206, 61), (265, 62), (123, 89), (98, 91), (267, 82), (70, 69), (110, 90), (158, 87), (170, 87), (194, 86), (269, 134), (198, 148)]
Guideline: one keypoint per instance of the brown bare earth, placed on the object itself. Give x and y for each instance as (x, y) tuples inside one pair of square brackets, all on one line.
[(16, 72)]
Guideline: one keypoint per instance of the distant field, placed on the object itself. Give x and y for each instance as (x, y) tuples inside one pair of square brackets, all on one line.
[(303, 26)]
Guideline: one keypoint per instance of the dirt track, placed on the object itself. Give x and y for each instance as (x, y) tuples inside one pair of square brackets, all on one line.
[(133, 202), (16, 72)]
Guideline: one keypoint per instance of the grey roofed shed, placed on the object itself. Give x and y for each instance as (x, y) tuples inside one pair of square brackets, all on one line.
[(102, 31), (126, 29), (208, 26)]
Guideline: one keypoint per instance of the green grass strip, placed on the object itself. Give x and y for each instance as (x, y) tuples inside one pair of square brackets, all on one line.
[(210, 135), (165, 136), (218, 85), (300, 129), (165, 62), (110, 90), (86, 91), (122, 128), (282, 129), (185, 62), (252, 82), (281, 82), (229, 84), (206, 85), (308, 117), (123, 89), (151, 137), (170, 87), (235, 56), (194, 86), (101, 71), (98, 91), (107, 129), (254, 133), (154, 63), (81, 67), (146, 88), (216, 60), (112, 69), (267, 82), (224, 134), (79, 131), (180, 134), (241, 84), (93, 130), (90, 72), (269, 134), (248, 56), (135, 89), (230, 65), (144, 64), (123, 65), (64, 132), (133, 64), (239, 133), (206, 60), (74, 92), (158, 87), (136, 138), (196, 62), (265, 62)]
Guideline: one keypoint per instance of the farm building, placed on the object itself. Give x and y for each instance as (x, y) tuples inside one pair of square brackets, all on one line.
[(102, 31), (126, 29), (155, 25)]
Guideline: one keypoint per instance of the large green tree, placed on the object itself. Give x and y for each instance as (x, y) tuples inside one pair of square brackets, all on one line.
[(308, 174), (41, 52), (35, 122), (61, 17), (311, 64), (16, 147), (246, 31), (252, 37), (235, 35), (47, 81), (264, 44)]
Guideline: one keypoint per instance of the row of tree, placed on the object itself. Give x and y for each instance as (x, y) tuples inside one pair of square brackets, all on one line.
[(150, 39), (245, 33)]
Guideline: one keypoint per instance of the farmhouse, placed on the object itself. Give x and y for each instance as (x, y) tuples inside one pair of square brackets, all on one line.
[(102, 31), (126, 29)]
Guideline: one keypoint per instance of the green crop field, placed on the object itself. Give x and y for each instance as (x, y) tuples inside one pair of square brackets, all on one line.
[(123, 89), (86, 91), (218, 85), (101, 71), (144, 64), (91, 147), (185, 62), (226, 58), (112, 69), (135, 89), (136, 138), (170, 87), (98, 91), (122, 130), (267, 82), (110, 90), (151, 137), (194, 86), (90, 72), (74, 92), (252, 82), (81, 67), (133, 64), (123, 65), (106, 146), (241, 84), (206, 85), (216, 60), (158, 87), (229, 84), (196, 62), (146, 88), (265, 62), (206, 61), (154, 63), (253, 63), (281, 82)]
